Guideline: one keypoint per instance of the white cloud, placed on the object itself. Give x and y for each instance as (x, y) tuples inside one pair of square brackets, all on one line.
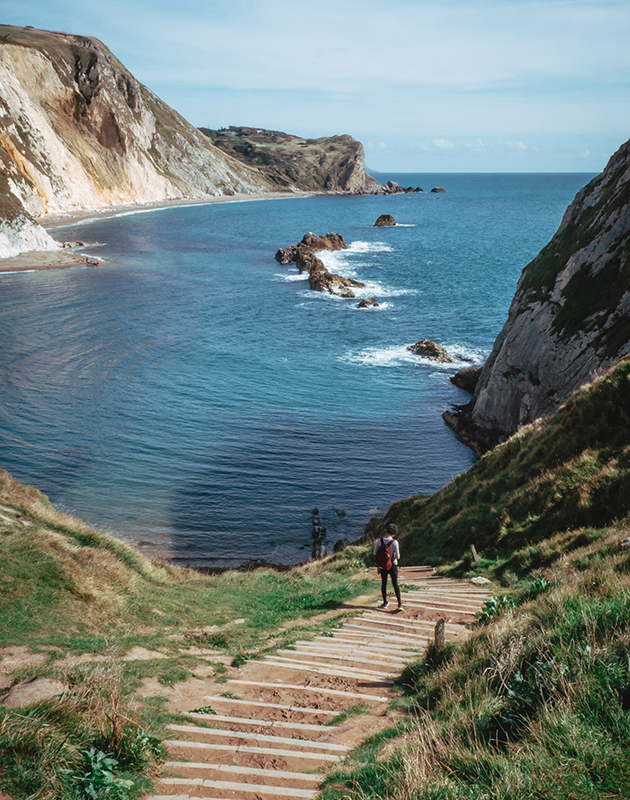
[(443, 144), (517, 145)]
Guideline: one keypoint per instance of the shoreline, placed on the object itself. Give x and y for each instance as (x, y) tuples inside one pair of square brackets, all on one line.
[(66, 220), (38, 260)]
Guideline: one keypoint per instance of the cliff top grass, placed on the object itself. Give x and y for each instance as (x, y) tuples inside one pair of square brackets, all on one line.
[(323, 164), (549, 489)]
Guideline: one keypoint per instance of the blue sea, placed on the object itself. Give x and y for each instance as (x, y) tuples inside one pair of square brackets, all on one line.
[(195, 398)]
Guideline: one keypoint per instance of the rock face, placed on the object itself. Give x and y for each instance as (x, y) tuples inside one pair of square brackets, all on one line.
[(320, 279), (466, 378), (438, 189), (367, 302), (330, 164), (428, 349), (385, 221), (79, 132), (569, 320)]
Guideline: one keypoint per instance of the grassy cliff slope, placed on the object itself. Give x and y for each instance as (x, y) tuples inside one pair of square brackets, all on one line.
[(556, 480), (83, 608), (333, 163), (537, 703)]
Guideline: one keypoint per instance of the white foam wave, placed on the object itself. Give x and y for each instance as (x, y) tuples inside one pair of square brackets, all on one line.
[(465, 354), (405, 224), (291, 276), (368, 247), (399, 355), (394, 356)]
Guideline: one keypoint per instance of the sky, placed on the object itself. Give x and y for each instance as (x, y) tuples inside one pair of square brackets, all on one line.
[(426, 85)]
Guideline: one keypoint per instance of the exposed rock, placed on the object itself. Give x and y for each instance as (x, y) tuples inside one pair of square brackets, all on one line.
[(79, 132), (340, 545), (70, 245), (329, 241), (367, 302), (438, 189), (428, 349), (37, 690), (479, 580), (466, 378), (285, 255), (569, 321), (384, 221), (319, 278), (331, 164)]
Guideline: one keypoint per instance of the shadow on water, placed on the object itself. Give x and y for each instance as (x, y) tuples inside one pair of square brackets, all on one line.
[(255, 500)]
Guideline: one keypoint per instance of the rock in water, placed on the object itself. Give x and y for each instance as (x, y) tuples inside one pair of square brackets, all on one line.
[(319, 278), (367, 302), (466, 378), (428, 349), (438, 189), (385, 221)]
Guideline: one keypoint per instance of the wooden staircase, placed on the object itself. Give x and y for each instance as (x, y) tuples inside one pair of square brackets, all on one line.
[(270, 738)]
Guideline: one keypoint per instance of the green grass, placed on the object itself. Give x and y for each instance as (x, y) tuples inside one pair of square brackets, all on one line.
[(545, 492), (67, 590), (536, 703)]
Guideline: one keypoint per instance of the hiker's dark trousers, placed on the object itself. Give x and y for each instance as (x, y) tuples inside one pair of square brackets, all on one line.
[(393, 573)]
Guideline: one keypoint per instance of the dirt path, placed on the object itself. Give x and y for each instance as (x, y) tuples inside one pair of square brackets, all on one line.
[(267, 733)]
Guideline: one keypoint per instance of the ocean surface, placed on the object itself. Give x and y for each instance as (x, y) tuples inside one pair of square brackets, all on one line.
[(193, 397)]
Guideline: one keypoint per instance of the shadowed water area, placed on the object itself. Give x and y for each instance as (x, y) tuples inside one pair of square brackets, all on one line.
[(194, 397)]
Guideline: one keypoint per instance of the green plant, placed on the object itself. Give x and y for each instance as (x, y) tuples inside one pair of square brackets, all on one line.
[(98, 780), (494, 606)]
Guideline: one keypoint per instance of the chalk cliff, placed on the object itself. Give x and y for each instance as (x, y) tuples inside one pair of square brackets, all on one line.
[(331, 164), (78, 131), (569, 320)]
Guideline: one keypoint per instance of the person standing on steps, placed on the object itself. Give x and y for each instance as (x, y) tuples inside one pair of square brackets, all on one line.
[(387, 553)]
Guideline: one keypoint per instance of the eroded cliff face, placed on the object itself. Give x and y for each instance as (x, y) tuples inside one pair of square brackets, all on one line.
[(331, 164), (569, 320), (79, 132)]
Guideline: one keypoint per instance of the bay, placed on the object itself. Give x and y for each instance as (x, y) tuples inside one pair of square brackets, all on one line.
[(192, 395)]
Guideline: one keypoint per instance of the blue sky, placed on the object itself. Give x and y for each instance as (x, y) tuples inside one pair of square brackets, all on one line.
[(426, 85)]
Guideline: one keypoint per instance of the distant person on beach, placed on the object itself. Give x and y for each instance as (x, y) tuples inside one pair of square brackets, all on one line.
[(387, 553)]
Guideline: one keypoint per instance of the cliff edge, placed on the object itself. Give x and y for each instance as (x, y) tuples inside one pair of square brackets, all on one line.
[(329, 164), (569, 320), (79, 132)]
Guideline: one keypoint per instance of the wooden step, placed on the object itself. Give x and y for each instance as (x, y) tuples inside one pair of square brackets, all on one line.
[(310, 688), (259, 737), (311, 666), (254, 773), (269, 707), (226, 789), (259, 723), (244, 753)]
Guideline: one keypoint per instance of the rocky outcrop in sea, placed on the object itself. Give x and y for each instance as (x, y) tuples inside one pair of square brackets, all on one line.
[(320, 279), (569, 321)]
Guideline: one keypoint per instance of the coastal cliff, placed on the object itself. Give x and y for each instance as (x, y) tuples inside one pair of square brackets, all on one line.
[(330, 164), (569, 320), (79, 132)]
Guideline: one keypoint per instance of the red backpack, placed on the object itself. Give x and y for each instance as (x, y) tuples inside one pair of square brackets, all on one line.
[(383, 556)]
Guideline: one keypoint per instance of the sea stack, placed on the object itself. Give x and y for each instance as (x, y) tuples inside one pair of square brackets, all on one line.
[(385, 221)]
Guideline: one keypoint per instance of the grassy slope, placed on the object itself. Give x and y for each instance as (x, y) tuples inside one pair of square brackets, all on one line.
[(309, 164), (67, 590), (538, 495), (537, 703)]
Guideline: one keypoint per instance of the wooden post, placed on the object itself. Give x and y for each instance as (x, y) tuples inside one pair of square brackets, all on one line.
[(439, 634), (473, 550)]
